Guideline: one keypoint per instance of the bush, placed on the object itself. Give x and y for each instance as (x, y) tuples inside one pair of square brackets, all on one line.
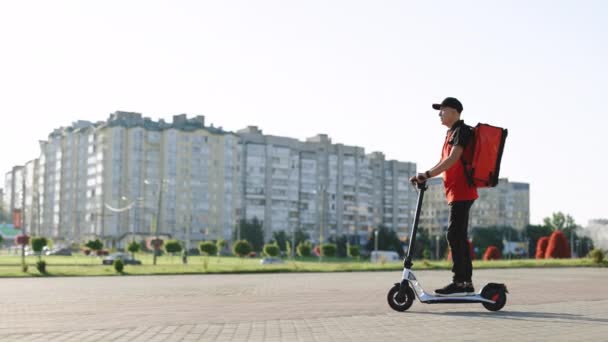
[(353, 251), (208, 248), (597, 255), (173, 246), (329, 250), (41, 266), (272, 250), (119, 265), (221, 243), (134, 247), (304, 249), (241, 248), (492, 253), (94, 245), (558, 246), (541, 247), (38, 243)]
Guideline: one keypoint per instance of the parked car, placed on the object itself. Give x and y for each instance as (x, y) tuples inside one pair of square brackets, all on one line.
[(271, 260), (126, 259), (59, 251)]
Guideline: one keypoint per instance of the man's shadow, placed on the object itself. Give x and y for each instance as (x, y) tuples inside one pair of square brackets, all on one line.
[(521, 316)]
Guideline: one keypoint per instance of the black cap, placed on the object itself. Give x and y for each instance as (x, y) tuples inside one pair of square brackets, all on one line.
[(451, 102)]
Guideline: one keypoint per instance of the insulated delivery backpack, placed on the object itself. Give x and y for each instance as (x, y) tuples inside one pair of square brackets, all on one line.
[(481, 158)]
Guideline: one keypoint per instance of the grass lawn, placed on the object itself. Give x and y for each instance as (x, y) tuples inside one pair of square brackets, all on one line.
[(80, 265)]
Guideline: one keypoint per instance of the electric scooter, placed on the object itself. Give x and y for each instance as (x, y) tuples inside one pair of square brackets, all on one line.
[(400, 297)]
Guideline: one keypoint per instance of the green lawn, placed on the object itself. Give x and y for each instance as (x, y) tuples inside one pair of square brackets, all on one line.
[(80, 265)]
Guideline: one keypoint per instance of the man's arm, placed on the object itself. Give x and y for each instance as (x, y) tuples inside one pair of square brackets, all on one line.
[(436, 170), (452, 159)]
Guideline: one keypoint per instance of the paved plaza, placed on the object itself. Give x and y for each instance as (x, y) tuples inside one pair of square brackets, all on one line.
[(557, 304)]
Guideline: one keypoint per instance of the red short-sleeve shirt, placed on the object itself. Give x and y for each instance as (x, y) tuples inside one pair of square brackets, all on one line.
[(457, 187)]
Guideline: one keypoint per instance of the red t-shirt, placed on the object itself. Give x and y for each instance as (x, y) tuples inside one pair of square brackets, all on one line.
[(457, 187)]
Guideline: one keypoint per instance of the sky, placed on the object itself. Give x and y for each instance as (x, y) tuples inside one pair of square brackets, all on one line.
[(363, 72)]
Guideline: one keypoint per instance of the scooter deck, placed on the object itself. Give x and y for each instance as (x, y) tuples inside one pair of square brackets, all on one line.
[(474, 298)]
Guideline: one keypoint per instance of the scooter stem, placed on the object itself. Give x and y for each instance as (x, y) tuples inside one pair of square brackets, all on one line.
[(407, 263)]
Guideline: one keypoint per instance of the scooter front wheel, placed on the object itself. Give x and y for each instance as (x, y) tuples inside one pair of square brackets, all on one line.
[(400, 302)]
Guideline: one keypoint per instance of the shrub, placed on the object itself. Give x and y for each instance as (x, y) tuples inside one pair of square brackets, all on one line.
[(558, 246), (241, 248), (597, 255), (94, 245), (353, 251), (173, 246), (272, 250), (426, 253), (134, 247), (41, 266), (119, 265), (221, 243), (208, 248), (541, 247), (304, 249), (492, 253), (38, 243), (329, 250)]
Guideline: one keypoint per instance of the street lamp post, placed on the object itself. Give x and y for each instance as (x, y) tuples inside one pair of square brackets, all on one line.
[(160, 199)]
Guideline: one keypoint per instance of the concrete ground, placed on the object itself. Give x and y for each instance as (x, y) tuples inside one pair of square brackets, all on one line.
[(561, 304)]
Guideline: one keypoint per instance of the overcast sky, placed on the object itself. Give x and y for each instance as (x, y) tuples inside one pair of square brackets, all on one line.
[(364, 72)]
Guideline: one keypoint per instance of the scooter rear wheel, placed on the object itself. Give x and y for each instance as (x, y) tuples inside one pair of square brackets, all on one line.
[(400, 303), (498, 295)]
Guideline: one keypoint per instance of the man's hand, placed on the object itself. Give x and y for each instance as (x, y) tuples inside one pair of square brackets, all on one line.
[(419, 178)]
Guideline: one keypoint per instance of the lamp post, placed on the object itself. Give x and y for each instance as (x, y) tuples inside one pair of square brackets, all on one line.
[(160, 199)]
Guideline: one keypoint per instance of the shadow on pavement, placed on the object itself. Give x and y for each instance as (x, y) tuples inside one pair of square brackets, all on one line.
[(520, 315)]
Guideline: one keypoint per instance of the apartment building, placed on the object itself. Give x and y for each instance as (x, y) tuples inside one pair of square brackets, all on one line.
[(323, 188), (132, 176)]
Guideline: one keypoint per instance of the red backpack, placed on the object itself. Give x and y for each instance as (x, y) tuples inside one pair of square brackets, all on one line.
[(481, 158)]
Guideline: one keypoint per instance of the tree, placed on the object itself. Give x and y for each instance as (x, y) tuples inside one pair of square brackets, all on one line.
[(134, 247), (387, 240), (534, 233), (241, 248), (173, 246), (329, 249), (281, 239), (559, 221), (94, 245), (300, 236), (492, 253), (252, 231), (304, 249), (208, 248), (37, 244), (558, 246), (341, 242), (541, 247), (272, 249)]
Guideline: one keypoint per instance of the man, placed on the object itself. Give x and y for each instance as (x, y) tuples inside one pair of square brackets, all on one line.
[(460, 195)]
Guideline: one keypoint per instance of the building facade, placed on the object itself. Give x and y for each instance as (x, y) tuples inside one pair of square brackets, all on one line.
[(131, 176), (323, 188)]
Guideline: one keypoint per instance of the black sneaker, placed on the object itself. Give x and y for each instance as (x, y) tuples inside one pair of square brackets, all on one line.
[(455, 289), (468, 287)]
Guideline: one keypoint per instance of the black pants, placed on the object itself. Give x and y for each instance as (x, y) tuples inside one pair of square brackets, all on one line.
[(458, 240)]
